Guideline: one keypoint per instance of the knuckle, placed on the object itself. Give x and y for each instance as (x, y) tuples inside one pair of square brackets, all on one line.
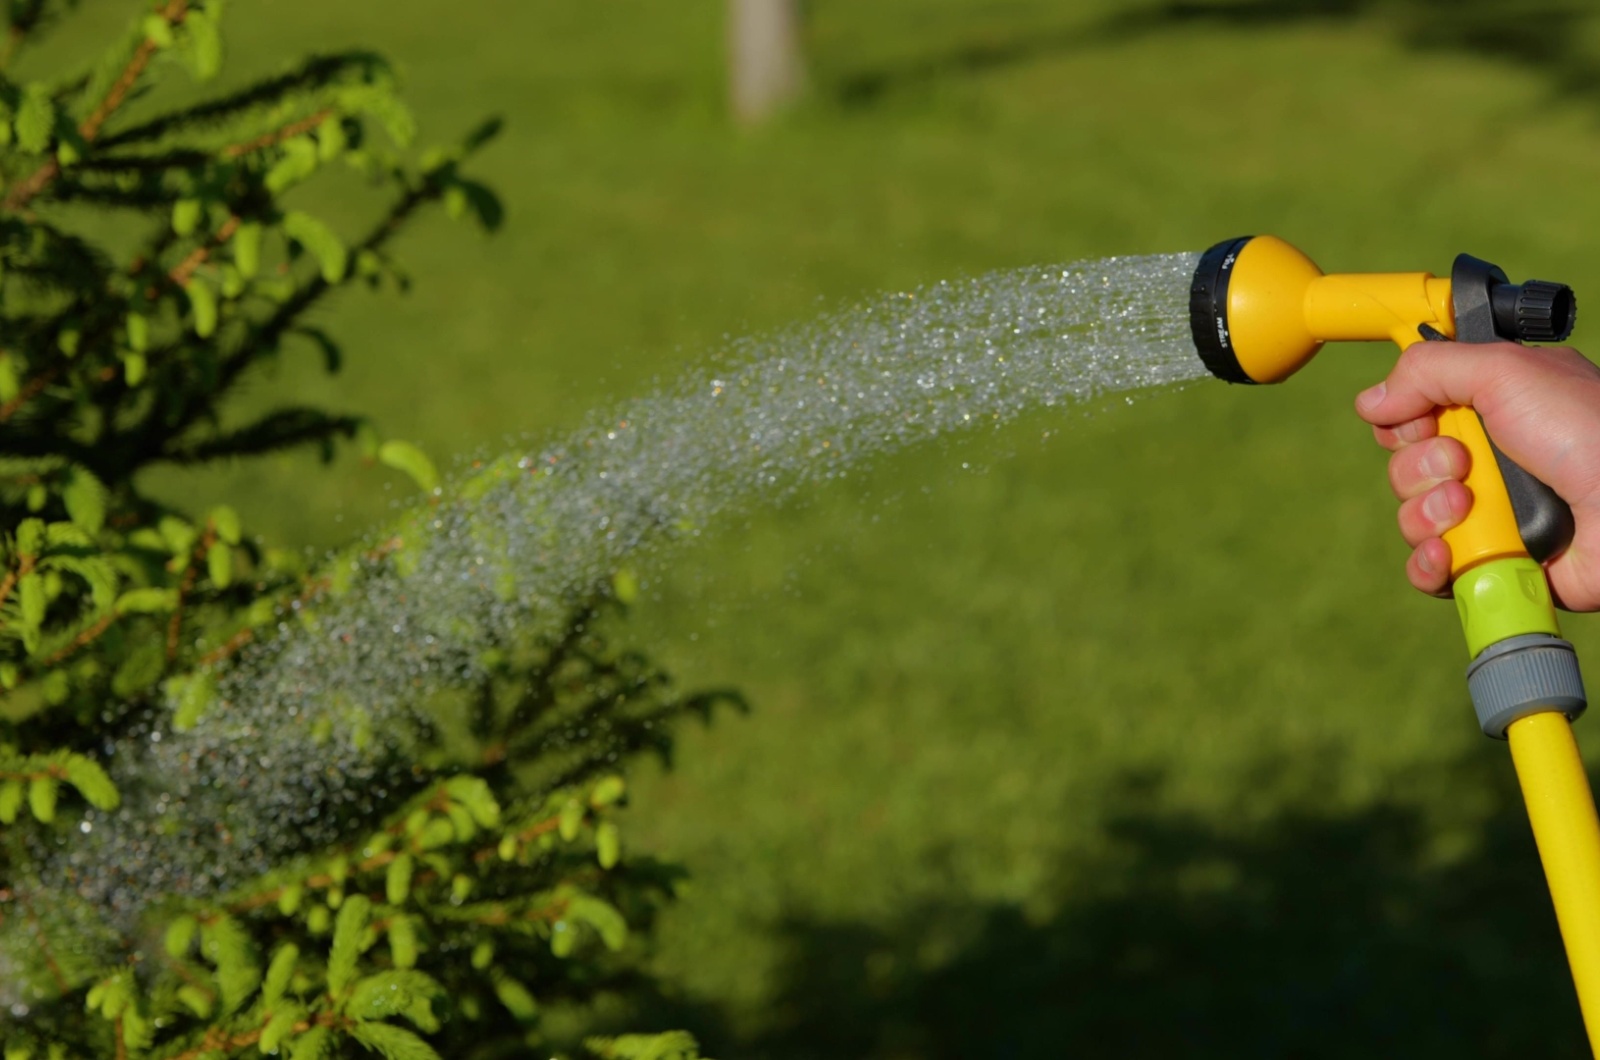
[(1420, 356), (1398, 476), (1413, 528)]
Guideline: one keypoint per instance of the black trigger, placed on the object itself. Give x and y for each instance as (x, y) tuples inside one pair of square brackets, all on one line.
[(1431, 333)]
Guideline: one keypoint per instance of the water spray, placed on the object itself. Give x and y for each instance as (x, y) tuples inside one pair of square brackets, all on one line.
[(1260, 310)]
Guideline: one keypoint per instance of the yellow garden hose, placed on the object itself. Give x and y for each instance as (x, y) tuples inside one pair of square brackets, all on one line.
[(1561, 810)]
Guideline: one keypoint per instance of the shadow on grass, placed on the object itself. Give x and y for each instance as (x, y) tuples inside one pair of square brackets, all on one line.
[(1546, 37), (863, 88), (1309, 934)]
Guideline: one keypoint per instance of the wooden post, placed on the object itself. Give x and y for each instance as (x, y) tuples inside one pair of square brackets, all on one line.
[(766, 70)]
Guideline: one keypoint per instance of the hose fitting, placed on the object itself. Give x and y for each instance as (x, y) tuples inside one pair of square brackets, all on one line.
[(1525, 675)]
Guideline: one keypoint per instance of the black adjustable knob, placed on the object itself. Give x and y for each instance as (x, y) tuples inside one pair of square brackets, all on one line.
[(1536, 311)]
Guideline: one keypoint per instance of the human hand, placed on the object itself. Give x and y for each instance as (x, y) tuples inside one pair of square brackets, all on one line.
[(1540, 405)]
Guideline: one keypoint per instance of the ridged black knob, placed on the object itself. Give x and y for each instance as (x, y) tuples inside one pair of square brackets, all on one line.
[(1545, 312)]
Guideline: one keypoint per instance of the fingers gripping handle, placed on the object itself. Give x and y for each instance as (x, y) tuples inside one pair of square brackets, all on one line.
[(1493, 528), (1513, 513)]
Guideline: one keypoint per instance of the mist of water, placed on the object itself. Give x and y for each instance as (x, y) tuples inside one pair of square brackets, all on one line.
[(208, 808)]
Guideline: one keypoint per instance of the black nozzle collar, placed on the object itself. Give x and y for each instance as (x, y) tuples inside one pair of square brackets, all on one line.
[(1536, 311), (1489, 307), (1208, 310)]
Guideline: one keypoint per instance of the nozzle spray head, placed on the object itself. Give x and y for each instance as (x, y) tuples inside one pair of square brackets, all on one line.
[(1246, 309)]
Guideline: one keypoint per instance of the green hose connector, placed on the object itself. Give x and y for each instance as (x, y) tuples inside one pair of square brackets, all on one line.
[(1520, 664), (1504, 598)]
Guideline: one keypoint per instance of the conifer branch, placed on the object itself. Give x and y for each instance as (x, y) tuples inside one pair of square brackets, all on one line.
[(49, 772), (183, 972), (90, 128), (278, 136), (318, 72), (37, 444), (67, 265), (190, 574), (140, 442), (275, 431), (83, 640), (323, 880), (523, 838), (150, 255), (182, 272), (217, 1040), (13, 576), (228, 648), (108, 193), (181, 158), (103, 312), (62, 983), (21, 194), (273, 328), (541, 696), (29, 390), (499, 914)]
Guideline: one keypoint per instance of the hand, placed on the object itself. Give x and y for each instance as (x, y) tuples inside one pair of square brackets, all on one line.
[(1540, 405)]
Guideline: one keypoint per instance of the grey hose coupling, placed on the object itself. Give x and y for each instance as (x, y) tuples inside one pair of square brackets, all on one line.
[(1524, 675)]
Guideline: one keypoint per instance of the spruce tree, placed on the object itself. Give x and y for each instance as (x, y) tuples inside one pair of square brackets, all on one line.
[(151, 259)]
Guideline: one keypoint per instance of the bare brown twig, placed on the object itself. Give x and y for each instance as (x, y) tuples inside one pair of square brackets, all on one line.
[(30, 390), (228, 648), (277, 136), (218, 1040), (14, 576), (83, 640), (184, 271)]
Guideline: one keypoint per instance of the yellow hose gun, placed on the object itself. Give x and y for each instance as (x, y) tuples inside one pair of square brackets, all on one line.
[(1260, 309)]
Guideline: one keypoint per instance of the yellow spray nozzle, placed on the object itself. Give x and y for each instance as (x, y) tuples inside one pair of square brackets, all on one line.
[(1261, 309)]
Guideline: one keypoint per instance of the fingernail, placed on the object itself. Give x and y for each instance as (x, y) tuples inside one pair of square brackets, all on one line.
[(1436, 506), (1422, 561), (1370, 398), (1436, 462)]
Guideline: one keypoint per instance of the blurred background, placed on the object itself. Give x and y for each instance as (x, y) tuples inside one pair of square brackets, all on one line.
[(1116, 731)]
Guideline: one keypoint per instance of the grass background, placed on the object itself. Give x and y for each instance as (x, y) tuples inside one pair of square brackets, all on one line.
[(1107, 734)]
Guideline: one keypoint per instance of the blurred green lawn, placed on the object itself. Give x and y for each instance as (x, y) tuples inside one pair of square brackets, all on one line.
[(1128, 739)]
